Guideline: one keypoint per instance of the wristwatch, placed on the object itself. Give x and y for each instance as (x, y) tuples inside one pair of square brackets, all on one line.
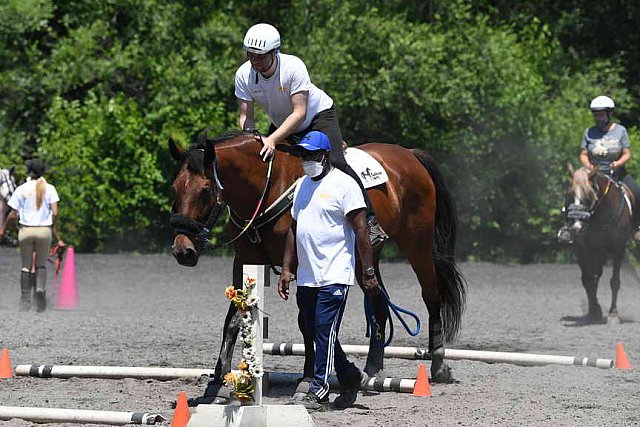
[(370, 272)]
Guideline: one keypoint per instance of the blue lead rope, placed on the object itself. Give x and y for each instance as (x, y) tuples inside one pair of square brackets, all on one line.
[(371, 319)]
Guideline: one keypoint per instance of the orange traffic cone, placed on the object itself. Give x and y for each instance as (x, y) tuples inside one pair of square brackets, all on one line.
[(621, 358), (181, 415), (422, 387), (68, 290), (5, 365)]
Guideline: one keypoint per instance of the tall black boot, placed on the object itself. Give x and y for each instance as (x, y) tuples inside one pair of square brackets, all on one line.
[(40, 294), (25, 291)]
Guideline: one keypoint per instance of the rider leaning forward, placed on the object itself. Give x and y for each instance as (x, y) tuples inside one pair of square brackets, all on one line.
[(605, 147), (280, 84)]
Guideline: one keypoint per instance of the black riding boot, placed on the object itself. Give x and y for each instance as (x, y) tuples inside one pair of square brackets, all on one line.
[(40, 294), (25, 291)]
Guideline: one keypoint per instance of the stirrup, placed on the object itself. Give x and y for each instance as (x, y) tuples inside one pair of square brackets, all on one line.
[(377, 235), (565, 235)]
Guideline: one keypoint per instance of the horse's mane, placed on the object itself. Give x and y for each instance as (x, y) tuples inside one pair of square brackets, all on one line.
[(195, 153), (581, 186)]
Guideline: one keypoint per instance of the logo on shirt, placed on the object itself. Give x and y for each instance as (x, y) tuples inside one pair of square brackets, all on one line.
[(283, 89), (325, 196)]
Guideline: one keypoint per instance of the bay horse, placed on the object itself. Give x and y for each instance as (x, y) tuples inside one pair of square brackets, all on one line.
[(414, 207), (599, 213)]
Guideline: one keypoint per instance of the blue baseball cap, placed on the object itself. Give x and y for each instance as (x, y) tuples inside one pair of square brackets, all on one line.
[(313, 141)]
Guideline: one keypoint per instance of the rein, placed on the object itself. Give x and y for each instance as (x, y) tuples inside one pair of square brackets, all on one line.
[(389, 306)]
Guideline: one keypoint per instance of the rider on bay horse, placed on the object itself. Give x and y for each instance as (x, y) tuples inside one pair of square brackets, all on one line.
[(605, 147), (280, 84)]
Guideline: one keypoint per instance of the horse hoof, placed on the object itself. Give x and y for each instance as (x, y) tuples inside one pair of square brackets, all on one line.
[(613, 319), (442, 374)]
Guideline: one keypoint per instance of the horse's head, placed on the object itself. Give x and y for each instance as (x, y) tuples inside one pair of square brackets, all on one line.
[(195, 208), (7, 183), (586, 189)]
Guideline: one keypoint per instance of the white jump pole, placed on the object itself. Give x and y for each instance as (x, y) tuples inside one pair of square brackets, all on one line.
[(109, 372), (57, 415), (398, 385), (416, 353)]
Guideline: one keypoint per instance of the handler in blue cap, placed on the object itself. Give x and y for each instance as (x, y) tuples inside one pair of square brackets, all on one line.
[(329, 223)]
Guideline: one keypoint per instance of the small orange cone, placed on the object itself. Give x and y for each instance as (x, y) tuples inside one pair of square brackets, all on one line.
[(422, 387), (181, 415), (5, 365), (621, 358)]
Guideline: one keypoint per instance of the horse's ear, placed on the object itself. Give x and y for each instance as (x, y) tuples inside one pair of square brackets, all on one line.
[(209, 155), (12, 170), (176, 152), (570, 169)]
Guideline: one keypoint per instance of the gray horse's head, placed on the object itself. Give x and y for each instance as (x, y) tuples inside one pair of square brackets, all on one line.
[(7, 183)]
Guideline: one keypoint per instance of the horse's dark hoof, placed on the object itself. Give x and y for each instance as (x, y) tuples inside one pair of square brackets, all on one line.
[(442, 374), (375, 360), (613, 319)]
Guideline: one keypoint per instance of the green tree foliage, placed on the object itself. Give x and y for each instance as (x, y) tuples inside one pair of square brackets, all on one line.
[(492, 91)]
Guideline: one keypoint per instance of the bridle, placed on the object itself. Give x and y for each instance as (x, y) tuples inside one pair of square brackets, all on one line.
[(199, 232)]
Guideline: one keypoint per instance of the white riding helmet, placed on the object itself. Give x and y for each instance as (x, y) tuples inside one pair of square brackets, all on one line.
[(602, 103), (261, 39)]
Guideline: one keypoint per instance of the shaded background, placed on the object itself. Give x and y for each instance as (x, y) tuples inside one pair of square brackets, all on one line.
[(497, 92)]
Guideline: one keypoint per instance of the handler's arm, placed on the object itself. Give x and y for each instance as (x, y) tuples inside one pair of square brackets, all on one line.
[(358, 219), (289, 263)]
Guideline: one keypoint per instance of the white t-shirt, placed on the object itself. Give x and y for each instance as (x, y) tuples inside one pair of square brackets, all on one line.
[(24, 201), (274, 94), (325, 240)]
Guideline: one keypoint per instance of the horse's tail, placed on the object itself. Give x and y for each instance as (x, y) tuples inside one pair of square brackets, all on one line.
[(451, 282)]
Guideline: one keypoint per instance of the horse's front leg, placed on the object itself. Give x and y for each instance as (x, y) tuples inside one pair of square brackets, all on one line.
[(615, 286), (216, 392), (591, 270)]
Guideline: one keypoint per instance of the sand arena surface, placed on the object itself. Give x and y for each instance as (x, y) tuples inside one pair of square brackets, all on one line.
[(147, 311)]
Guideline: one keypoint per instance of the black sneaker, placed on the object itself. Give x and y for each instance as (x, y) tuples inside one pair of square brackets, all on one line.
[(376, 233), (348, 395), (301, 390), (313, 403)]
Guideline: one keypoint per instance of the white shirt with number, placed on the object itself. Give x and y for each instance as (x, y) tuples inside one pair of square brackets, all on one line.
[(325, 239), (274, 94), (23, 200)]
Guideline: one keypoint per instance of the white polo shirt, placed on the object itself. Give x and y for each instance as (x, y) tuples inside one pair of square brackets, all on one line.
[(23, 200), (274, 94), (325, 240)]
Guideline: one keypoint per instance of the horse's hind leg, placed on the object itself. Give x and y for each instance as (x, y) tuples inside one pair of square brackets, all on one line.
[(420, 256), (375, 356), (615, 286)]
